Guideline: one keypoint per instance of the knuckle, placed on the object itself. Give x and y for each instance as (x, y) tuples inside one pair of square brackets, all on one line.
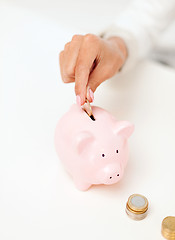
[(76, 37), (66, 45), (65, 80), (90, 37), (60, 55), (62, 77)]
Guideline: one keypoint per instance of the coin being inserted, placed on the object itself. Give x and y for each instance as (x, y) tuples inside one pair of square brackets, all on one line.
[(137, 207), (87, 108)]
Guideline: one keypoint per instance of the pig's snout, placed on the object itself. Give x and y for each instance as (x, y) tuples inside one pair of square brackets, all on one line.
[(113, 178), (112, 173)]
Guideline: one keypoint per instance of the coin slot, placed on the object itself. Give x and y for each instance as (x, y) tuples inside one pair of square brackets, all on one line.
[(91, 116)]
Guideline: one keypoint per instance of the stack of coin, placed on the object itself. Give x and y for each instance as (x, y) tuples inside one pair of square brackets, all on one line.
[(137, 207), (168, 228)]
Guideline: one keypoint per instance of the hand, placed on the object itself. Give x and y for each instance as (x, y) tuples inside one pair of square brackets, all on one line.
[(89, 60)]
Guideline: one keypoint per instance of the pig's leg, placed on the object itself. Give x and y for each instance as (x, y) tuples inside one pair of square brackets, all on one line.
[(81, 185)]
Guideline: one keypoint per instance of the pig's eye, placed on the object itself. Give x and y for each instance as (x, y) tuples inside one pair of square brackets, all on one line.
[(116, 151), (103, 155)]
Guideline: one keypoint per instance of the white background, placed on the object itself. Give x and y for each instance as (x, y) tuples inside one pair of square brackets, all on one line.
[(38, 200)]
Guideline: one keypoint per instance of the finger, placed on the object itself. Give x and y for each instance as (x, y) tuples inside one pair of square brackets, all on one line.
[(89, 94), (96, 78), (71, 56), (87, 54), (65, 78), (61, 56), (66, 46)]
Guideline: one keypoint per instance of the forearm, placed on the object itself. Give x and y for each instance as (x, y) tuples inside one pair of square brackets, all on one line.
[(140, 25)]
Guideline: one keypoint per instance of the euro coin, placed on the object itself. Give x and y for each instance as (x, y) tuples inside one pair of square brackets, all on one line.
[(168, 228), (137, 207)]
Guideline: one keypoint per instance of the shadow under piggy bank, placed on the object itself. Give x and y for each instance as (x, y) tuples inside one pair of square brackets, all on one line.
[(93, 150)]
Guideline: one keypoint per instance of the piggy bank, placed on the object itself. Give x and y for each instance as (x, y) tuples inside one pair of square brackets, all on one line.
[(93, 150)]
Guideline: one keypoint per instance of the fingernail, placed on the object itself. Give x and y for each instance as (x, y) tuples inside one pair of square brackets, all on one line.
[(91, 94), (78, 100)]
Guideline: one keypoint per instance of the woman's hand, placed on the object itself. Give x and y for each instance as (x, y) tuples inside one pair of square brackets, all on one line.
[(88, 61)]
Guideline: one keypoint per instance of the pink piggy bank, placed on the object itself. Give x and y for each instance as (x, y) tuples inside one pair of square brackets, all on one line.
[(92, 151)]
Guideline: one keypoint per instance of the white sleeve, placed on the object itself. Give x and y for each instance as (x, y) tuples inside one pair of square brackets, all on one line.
[(140, 25)]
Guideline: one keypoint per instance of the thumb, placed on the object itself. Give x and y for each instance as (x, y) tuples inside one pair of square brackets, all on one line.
[(91, 89), (95, 79)]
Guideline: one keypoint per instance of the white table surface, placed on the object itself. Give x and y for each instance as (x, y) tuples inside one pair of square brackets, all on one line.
[(38, 199)]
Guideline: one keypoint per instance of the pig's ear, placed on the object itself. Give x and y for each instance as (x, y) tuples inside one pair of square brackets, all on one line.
[(124, 129), (83, 142)]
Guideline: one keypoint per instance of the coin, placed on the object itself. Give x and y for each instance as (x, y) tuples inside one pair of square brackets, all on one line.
[(137, 207), (88, 109), (168, 227)]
